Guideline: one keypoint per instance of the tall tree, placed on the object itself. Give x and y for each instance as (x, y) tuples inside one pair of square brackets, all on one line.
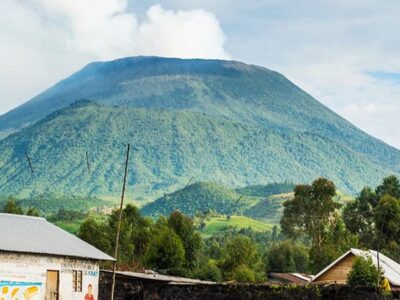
[(287, 257), (312, 212), (359, 217), (389, 186), (95, 234), (184, 228), (135, 233), (387, 219)]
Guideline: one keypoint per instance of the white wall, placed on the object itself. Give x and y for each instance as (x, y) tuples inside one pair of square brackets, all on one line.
[(21, 272)]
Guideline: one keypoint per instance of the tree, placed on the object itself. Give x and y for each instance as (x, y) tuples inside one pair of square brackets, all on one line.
[(12, 207), (337, 241), (209, 271), (166, 253), (389, 186), (312, 212), (240, 251), (358, 216), (287, 257), (134, 236), (364, 273), (387, 217), (387, 220), (184, 228), (95, 234), (32, 212)]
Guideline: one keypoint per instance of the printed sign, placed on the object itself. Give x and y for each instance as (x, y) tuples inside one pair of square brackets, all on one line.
[(13, 290)]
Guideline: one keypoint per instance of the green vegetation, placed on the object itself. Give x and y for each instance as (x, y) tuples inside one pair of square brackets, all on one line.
[(169, 148), (201, 197), (316, 229), (269, 209), (287, 257), (364, 273), (313, 213), (374, 216), (219, 224), (215, 121), (266, 190)]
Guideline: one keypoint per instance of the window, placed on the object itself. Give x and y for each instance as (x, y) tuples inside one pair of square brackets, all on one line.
[(77, 281)]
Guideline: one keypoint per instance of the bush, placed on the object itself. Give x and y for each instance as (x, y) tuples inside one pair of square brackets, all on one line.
[(287, 257), (166, 253), (209, 271), (244, 274), (364, 273)]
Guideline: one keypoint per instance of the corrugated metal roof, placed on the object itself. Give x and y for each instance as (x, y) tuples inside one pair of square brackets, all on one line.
[(35, 235), (297, 278), (391, 269), (160, 277)]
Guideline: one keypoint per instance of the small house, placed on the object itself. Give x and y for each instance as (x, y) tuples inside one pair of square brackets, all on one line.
[(338, 270), (40, 261)]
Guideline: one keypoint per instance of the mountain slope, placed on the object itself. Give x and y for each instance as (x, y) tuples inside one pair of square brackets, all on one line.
[(168, 148), (243, 93)]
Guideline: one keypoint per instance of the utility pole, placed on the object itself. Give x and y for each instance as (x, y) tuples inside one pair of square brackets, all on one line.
[(119, 223), (377, 255)]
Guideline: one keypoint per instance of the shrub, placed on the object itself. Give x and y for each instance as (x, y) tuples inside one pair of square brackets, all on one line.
[(364, 273), (209, 271), (244, 274)]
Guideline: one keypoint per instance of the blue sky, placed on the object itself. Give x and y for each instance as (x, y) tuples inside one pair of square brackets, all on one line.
[(344, 53)]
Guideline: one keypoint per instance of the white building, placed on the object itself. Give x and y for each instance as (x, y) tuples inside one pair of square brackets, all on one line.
[(40, 261)]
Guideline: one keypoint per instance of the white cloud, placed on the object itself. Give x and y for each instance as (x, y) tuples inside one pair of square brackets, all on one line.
[(42, 41)]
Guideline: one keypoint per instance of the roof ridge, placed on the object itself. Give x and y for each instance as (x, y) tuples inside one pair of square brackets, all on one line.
[(22, 216)]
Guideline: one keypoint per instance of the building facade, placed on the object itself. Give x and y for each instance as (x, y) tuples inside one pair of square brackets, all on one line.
[(43, 262)]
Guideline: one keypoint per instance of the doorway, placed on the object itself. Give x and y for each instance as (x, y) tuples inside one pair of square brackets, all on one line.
[(52, 282)]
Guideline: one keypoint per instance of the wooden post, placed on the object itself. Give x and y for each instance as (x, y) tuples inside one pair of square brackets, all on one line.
[(119, 224), (377, 256)]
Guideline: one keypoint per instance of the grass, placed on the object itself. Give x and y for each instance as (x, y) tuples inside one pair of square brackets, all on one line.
[(217, 224), (72, 226)]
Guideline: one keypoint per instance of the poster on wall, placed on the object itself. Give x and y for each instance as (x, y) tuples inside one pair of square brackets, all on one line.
[(13, 290)]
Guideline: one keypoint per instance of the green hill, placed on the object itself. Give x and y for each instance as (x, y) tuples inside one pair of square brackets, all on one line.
[(200, 197), (269, 209), (168, 148)]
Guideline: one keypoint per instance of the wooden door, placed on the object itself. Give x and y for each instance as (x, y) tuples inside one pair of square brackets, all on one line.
[(52, 285)]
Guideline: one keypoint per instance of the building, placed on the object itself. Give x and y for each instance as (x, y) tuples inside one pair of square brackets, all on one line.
[(337, 271), (289, 278), (40, 261)]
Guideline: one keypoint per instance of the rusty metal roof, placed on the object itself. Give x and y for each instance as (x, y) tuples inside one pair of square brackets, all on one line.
[(26, 234), (296, 278)]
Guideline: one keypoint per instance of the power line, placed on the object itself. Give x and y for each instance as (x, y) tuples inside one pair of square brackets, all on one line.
[(29, 161)]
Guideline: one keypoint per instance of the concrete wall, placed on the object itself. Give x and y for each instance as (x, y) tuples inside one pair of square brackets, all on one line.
[(25, 273), (129, 291)]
